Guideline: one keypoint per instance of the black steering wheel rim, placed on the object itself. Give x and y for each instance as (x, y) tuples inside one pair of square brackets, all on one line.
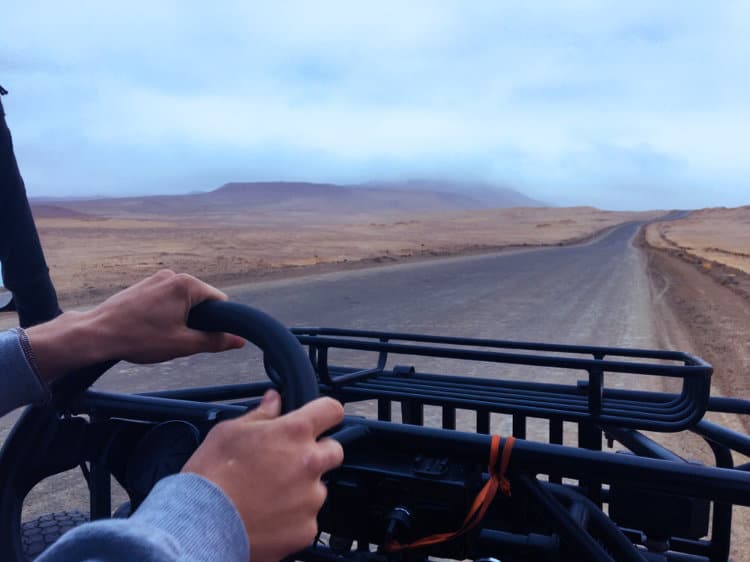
[(25, 455), (282, 351)]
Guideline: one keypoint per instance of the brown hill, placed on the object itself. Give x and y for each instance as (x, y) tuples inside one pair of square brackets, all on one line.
[(330, 198), (48, 211), (488, 195), (300, 197)]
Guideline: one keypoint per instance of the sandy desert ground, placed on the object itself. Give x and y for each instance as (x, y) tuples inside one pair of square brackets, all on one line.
[(714, 235), (92, 256), (702, 264), (704, 260), (701, 268)]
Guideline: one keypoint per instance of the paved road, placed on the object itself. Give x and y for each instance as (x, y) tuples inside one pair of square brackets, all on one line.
[(595, 293)]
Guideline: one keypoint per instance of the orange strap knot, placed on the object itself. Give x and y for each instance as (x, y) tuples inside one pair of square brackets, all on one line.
[(481, 502)]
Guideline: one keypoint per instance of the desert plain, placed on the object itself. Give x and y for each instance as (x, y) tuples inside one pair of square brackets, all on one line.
[(244, 233), (250, 232), (90, 257), (718, 235), (702, 263)]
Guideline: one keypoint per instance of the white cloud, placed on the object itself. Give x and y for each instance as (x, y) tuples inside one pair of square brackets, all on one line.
[(576, 98)]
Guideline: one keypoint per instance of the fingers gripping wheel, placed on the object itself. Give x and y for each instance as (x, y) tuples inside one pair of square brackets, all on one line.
[(59, 443), (281, 349)]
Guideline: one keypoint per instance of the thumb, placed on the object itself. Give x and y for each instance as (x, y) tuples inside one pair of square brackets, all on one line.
[(269, 408)]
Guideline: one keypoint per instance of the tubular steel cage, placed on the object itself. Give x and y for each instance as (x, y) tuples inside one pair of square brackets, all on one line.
[(580, 502)]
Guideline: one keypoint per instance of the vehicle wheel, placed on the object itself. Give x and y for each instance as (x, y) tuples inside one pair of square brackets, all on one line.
[(122, 512), (41, 532)]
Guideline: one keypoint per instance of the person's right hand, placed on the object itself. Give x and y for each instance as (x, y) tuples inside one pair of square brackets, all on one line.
[(144, 323), (271, 466)]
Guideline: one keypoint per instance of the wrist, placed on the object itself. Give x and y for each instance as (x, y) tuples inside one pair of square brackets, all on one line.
[(69, 342)]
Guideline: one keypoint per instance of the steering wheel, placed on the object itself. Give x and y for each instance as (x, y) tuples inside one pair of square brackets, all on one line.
[(290, 368), (43, 443)]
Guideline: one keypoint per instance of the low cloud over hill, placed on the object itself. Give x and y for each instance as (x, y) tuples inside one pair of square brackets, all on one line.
[(324, 198)]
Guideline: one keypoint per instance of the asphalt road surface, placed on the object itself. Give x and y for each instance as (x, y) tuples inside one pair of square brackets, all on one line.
[(594, 293)]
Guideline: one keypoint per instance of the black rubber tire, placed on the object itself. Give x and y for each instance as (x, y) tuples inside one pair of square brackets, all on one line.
[(41, 532), (122, 512)]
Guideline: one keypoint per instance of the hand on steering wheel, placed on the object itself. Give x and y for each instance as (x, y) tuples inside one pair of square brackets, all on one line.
[(271, 468), (269, 465)]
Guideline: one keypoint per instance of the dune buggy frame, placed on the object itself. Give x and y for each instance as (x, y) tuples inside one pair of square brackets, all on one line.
[(570, 496)]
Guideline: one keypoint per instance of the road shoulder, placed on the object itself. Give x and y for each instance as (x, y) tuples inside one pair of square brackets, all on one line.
[(712, 308)]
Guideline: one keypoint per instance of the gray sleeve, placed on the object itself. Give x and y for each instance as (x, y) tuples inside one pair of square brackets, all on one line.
[(19, 383), (185, 518)]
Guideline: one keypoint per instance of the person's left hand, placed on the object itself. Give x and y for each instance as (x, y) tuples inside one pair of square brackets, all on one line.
[(145, 323)]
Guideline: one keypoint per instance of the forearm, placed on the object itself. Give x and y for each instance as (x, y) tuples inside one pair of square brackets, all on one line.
[(30, 361), (184, 518), (146, 323), (69, 342)]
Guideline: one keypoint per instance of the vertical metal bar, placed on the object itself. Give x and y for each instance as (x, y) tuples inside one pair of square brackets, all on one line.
[(449, 417), (556, 431), (382, 356), (721, 524), (384, 409), (412, 412), (100, 487), (483, 421), (519, 426), (590, 437), (312, 353), (556, 438), (323, 374), (25, 271), (100, 492), (596, 391)]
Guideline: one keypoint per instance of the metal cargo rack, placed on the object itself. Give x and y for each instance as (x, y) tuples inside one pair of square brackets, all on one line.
[(657, 503), (581, 502), (589, 400)]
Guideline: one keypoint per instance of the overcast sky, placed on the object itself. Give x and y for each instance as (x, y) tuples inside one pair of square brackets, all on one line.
[(614, 104)]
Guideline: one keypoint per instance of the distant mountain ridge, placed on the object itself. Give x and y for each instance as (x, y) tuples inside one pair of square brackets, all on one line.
[(488, 194), (45, 210), (282, 196)]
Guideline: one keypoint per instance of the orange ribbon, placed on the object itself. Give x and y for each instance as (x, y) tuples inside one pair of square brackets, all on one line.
[(481, 502)]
